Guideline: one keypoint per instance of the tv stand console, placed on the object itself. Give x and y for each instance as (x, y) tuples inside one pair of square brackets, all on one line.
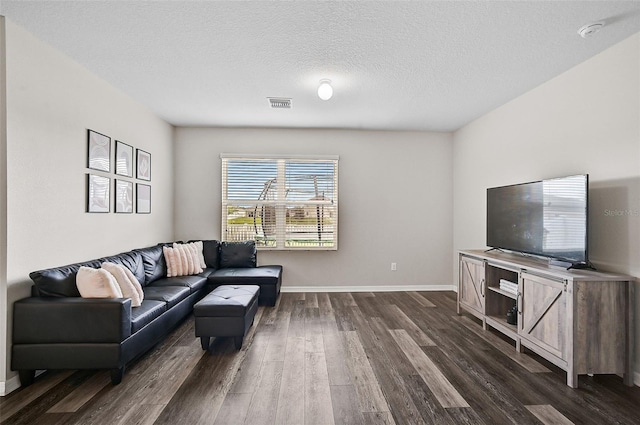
[(579, 320)]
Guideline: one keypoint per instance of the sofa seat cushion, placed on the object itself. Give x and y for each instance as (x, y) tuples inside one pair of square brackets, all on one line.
[(263, 275), (194, 283), (171, 295), (146, 313), (207, 272)]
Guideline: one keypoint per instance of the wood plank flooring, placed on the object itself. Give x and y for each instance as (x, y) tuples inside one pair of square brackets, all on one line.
[(332, 358)]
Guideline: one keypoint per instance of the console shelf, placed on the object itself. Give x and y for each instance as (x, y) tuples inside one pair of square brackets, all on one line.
[(578, 320), (501, 324), (502, 292)]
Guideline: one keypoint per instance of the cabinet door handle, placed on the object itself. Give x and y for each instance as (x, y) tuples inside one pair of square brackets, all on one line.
[(482, 288), (519, 303)]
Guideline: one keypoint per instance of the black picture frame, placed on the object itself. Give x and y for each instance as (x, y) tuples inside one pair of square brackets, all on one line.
[(143, 165), (98, 194), (143, 198), (124, 197), (98, 151), (124, 159)]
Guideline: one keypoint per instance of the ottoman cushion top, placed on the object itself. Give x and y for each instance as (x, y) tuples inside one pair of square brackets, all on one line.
[(227, 301)]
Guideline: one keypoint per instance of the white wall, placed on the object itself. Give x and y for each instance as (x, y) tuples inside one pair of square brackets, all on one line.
[(586, 120), (3, 203), (51, 102), (395, 201)]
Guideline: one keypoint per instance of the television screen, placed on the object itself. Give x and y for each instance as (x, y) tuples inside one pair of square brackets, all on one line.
[(546, 218)]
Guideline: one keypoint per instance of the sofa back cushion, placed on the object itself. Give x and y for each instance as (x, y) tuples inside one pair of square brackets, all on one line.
[(153, 262), (131, 260), (211, 251), (60, 281), (238, 254)]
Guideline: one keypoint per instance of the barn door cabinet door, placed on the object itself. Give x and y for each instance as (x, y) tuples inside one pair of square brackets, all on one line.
[(471, 285), (543, 313)]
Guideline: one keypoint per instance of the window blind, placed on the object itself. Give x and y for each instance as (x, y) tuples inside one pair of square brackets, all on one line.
[(280, 202)]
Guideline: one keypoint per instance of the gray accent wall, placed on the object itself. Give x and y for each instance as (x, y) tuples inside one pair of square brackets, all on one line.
[(395, 201)]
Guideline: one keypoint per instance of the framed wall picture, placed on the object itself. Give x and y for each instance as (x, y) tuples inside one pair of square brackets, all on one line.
[(143, 198), (124, 196), (143, 165), (124, 159), (98, 193), (98, 151)]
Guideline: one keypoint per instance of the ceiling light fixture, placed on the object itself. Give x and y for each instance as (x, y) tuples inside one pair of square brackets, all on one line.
[(590, 29), (325, 91)]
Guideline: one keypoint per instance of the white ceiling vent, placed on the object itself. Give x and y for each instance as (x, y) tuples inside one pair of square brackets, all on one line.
[(280, 102)]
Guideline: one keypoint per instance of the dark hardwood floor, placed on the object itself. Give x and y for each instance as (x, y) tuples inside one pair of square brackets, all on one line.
[(325, 358)]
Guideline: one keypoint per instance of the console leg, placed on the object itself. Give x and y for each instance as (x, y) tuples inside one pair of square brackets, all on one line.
[(26, 376), (572, 378), (204, 341), (117, 375), (237, 340)]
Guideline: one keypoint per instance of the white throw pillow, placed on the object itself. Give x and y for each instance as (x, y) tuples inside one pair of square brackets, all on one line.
[(135, 282), (200, 252), (125, 282), (182, 260), (97, 283), (185, 259), (169, 257), (191, 254), (197, 262), (179, 262)]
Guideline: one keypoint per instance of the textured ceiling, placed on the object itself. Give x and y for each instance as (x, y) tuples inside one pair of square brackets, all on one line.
[(420, 65)]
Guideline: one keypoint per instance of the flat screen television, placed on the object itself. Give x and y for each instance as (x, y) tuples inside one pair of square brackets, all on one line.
[(546, 218)]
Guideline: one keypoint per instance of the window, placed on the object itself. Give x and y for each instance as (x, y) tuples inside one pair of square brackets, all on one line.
[(280, 202)]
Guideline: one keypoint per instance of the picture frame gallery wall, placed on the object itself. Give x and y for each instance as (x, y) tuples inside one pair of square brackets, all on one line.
[(110, 177)]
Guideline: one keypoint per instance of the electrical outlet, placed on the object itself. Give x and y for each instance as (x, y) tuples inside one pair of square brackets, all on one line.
[(394, 267)]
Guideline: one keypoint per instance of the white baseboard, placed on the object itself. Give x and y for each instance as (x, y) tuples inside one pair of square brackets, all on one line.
[(10, 385), (13, 383), (385, 288), (636, 379)]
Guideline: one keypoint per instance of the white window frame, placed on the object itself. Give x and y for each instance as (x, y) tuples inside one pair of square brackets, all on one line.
[(280, 203)]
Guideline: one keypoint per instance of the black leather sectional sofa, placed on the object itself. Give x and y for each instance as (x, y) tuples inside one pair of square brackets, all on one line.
[(57, 329)]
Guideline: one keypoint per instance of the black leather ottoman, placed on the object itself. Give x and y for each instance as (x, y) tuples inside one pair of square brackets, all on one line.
[(227, 311)]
